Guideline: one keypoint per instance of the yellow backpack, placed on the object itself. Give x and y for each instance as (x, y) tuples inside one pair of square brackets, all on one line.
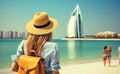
[(31, 64)]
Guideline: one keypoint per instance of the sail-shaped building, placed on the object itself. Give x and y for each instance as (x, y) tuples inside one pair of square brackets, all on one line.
[(75, 26)]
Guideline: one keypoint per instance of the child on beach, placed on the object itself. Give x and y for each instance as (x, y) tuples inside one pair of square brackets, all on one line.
[(106, 54)]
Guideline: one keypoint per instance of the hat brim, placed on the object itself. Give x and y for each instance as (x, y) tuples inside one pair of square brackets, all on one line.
[(41, 31)]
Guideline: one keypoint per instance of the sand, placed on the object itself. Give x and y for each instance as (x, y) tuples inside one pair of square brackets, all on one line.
[(92, 68), (84, 68)]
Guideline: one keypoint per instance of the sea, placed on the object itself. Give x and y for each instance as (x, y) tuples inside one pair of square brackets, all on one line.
[(71, 51)]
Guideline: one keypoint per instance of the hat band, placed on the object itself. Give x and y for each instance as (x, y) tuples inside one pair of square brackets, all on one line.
[(45, 25)]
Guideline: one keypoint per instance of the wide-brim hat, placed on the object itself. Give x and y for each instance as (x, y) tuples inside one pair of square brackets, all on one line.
[(41, 24)]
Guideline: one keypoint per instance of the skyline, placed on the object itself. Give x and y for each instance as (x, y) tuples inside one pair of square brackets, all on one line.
[(98, 15), (13, 35)]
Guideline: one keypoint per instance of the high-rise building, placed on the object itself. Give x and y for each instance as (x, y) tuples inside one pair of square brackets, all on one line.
[(11, 34), (15, 34), (1, 34), (6, 35), (75, 26), (22, 35)]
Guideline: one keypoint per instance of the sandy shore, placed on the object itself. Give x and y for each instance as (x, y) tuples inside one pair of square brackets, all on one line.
[(85, 68), (92, 68)]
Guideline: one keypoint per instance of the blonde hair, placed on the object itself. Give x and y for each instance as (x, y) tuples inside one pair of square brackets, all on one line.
[(36, 42)]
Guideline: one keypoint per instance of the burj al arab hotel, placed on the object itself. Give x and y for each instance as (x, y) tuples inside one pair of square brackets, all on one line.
[(75, 26)]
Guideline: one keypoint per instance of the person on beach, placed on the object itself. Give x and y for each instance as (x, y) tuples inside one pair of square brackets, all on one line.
[(106, 54), (40, 30), (119, 54)]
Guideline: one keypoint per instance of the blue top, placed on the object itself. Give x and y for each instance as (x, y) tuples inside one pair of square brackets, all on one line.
[(50, 53)]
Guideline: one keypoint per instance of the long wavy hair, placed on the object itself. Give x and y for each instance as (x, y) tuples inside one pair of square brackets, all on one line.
[(36, 42)]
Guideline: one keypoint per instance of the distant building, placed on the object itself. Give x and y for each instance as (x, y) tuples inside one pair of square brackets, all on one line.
[(6, 35), (1, 34), (107, 34), (15, 34), (90, 36), (75, 26), (11, 34), (22, 35)]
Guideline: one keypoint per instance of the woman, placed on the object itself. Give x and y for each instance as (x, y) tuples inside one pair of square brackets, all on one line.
[(106, 54), (40, 30)]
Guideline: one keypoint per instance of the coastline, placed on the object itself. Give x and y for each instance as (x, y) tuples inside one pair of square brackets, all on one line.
[(115, 39), (92, 68), (84, 68), (72, 63)]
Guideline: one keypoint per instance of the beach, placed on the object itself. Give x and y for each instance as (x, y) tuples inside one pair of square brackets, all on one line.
[(92, 68), (76, 56), (84, 68)]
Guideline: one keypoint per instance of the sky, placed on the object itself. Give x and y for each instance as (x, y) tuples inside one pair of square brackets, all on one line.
[(98, 15)]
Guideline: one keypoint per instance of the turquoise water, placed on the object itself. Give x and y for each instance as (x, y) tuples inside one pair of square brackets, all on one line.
[(84, 50), (71, 51)]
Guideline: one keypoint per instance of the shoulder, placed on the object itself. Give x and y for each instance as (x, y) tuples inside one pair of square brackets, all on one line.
[(51, 44), (22, 41)]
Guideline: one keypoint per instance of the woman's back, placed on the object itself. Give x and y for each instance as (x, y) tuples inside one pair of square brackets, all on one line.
[(50, 53), (40, 30)]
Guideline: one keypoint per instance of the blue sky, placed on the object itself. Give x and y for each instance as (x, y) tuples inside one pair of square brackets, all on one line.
[(98, 15)]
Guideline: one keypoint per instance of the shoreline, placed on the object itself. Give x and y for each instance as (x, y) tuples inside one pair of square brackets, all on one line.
[(75, 39), (84, 61), (91, 39), (82, 67), (92, 68)]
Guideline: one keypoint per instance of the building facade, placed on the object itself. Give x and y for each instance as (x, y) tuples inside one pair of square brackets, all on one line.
[(75, 26)]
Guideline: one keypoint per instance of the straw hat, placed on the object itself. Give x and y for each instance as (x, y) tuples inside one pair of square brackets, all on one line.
[(41, 24)]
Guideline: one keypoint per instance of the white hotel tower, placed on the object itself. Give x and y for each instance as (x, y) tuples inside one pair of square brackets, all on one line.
[(75, 26)]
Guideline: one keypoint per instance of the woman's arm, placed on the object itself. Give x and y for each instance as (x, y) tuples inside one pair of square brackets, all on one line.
[(55, 60), (55, 72), (19, 51)]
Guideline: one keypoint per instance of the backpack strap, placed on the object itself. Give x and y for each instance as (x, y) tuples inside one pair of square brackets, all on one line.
[(23, 49), (32, 53)]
